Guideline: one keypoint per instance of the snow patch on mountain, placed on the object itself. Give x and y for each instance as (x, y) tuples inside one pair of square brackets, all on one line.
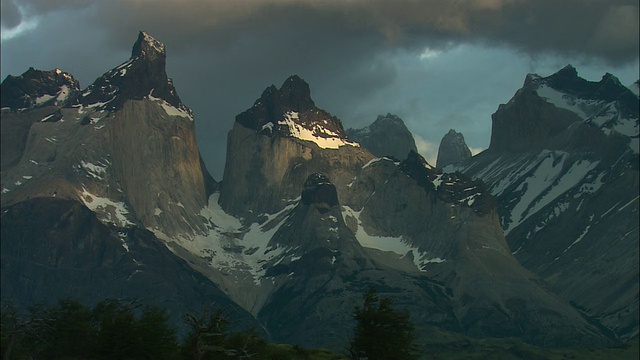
[(375, 160), (397, 245), (172, 110), (234, 248), (537, 181), (63, 94), (545, 180), (157, 45), (321, 136), (43, 99), (586, 230), (108, 211), (95, 171), (604, 115)]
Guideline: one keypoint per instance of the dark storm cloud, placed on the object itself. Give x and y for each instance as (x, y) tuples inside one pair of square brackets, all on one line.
[(607, 29), (15, 11), (604, 28), (11, 16)]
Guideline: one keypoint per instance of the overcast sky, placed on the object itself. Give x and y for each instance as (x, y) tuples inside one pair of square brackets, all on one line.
[(438, 64)]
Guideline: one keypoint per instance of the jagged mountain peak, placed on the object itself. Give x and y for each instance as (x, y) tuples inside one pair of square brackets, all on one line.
[(37, 88), (569, 72), (453, 188), (566, 80), (389, 118), (540, 112), (142, 76), (148, 46), (296, 93), (453, 149), (386, 136), (290, 112)]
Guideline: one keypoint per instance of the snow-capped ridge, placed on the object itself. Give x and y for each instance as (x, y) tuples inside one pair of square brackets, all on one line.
[(317, 133), (454, 188), (290, 112), (37, 88), (559, 111)]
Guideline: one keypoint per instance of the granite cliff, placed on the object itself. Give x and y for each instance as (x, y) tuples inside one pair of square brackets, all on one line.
[(563, 164)]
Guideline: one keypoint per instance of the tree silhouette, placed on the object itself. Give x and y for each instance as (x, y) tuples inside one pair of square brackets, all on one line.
[(381, 332)]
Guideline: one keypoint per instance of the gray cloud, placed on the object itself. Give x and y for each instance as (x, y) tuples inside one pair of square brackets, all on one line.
[(604, 28), (15, 11), (607, 29), (11, 16)]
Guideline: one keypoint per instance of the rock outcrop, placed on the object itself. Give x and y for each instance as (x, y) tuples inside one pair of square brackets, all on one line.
[(91, 178), (453, 149), (387, 136), (546, 111), (36, 88), (143, 76), (82, 149), (54, 249), (395, 223), (563, 164), (276, 144)]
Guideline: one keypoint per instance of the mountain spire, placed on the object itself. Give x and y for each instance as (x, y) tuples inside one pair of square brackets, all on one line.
[(143, 75), (148, 46), (453, 149)]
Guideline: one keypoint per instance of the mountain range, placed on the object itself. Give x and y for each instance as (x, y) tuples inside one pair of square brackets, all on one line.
[(105, 194)]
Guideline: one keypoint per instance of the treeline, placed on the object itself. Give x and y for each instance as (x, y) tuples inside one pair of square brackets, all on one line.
[(125, 330)]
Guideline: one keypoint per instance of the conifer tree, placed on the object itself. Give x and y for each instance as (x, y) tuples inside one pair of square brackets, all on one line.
[(381, 332)]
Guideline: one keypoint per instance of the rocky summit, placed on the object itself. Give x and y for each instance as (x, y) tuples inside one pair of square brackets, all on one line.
[(278, 143), (142, 76), (387, 136), (89, 184), (563, 165), (113, 200), (453, 149), (36, 88)]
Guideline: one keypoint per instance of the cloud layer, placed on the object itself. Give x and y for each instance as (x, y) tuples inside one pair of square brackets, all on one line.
[(603, 28)]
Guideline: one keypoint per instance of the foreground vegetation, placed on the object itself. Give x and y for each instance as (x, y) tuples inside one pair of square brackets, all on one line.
[(440, 344), (125, 330)]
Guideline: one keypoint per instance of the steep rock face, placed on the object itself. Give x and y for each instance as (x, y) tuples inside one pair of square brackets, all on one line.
[(387, 136), (274, 146), (86, 154), (568, 201), (164, 183), (36, 88), (53, 249), (453, 149), (544, 110), (325, 272), (142, 76), (447, 226), (84, 180), (376, 221)]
